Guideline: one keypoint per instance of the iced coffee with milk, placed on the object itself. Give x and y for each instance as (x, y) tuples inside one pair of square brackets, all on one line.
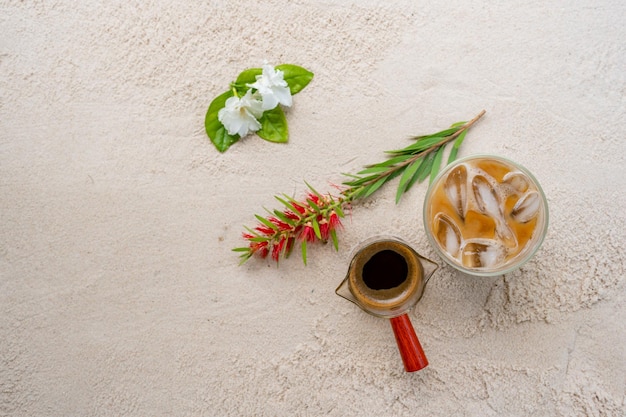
[(485, 215)]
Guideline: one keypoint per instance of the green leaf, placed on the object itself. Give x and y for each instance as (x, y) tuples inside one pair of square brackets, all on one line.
[(447, 132), (455, 147), (314, 206), (266, 222), (419, 146), (288, 248), (415, 176), (373, 170), (407, 175), (244, 258), (245, 249), (274, 126), (316, 228), (214, 128), (369, 190), (339, 211), (425, 167), (281, 216), (289, 205), (391, 161), (333, 235), (297, 77), (436, 163), (247, 77), (313, 190), (304, 251)]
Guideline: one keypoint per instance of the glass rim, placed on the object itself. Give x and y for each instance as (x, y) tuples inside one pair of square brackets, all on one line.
[(521, 258)]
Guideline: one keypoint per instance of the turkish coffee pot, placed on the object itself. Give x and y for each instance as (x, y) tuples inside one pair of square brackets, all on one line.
[(386, 278)]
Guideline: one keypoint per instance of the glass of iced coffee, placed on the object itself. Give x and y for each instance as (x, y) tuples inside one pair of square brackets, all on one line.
[(485, 215)]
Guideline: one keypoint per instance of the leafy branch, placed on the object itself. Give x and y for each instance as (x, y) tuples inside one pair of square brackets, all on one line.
[(317, 216)]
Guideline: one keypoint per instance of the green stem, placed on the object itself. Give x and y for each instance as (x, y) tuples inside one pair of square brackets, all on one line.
[(419, 155), (233, 88)]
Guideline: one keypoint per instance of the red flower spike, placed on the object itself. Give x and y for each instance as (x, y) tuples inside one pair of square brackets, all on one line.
[(267, 231), (278, 248), (325, 230), (308, 233), (282, 226), (259, 248), (314, 198), (300, 208), (290, 243), (247, 236), (334, 221), (291, 215)]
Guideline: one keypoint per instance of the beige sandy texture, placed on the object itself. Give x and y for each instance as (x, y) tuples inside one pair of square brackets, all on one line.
[(119, 293)]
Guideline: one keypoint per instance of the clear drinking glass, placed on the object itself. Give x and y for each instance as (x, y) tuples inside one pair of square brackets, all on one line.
[(485, 215)]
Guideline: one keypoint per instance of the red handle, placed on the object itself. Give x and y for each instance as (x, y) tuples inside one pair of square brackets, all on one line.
[(410, 349)]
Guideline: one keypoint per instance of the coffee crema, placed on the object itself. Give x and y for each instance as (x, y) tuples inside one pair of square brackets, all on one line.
[(386, 275)]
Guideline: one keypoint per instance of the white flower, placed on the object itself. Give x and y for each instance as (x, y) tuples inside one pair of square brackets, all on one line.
[(272, 87), (239, 116)]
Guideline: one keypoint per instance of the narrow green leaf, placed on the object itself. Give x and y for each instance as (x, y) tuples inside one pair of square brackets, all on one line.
[(333, 235), (339, 211), (214, 128), (434, 170), (297, 77), (304, 251), (408, 173), (373, 170), (316, 228), (419, 146), (257, 239), (313, 205), (361, 180), (457, 124), (413, 180), (244, 258), (455, 147), (425, 167), (313, 190), (289, 248), (281, 216), (246, 249), (266, 222), (446, 132), (252, 231), (289, 206), (369, 190), (274, 126), (391, 161)]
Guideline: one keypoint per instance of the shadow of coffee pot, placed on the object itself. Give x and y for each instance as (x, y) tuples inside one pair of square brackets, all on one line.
[(386, 278)]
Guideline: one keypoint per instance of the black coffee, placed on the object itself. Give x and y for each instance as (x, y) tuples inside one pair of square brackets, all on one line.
[(384, 270)]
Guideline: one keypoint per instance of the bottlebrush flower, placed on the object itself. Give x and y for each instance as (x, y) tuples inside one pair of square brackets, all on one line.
[(315, 219), (272, 87), (239, 116)]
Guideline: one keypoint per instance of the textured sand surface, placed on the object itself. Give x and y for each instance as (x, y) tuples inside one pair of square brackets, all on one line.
[(119, 293)]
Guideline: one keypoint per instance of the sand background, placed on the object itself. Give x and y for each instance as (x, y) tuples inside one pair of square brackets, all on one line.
[(119, 293)]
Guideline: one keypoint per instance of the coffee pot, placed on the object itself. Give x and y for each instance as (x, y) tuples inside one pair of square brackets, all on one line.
[(386, 278)]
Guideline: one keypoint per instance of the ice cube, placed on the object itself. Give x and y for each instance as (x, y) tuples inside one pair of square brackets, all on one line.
[(516, 181), (486, 197), (456, 189), (488, 202), (526, 207), (482, 253), (448, 234)]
